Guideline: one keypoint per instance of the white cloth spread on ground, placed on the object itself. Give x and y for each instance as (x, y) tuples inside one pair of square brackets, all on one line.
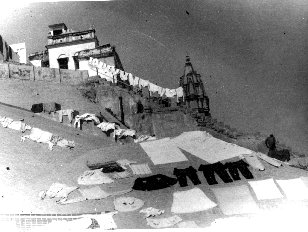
[(163, 222), (127, 204), (123, 75), (235, 200), (140, 169), (253, 161), (190, 201), (6, 121), (151, 212), (143, 83), (163, 151), (57, 190), (85, 117), (93, 193), (91, 177), (265, 189), (136, 81), (106, 126), (268, 159), (207, 147), (294, 189)]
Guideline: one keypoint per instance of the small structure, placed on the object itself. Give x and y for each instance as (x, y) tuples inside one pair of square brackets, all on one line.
[(20, 49), (7, 53), (194, 94), (67, 49), (63, 45), (39, 59)]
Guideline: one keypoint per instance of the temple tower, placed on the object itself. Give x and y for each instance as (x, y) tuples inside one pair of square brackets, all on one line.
[(195, 97)]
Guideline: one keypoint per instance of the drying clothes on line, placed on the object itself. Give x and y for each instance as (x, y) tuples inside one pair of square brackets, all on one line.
[(182, 174), (107, 167), (106, 126), (265, 189), (235, 200), (67, 112), (151, 212), (125, 162), (142, 138), (127, 204), (120, 175), (188, 224), (153, 88), (161, 91), (94, 177), (294, 189), (170, 92), (154, 182), (123, 75), (207, 147), (179, 92), (143, 83), (163, 222), (124, 132), (130, 79), (235, 167), (140, 169), (253, 161), (163, 151), (191, 201), (57, 190), (209, 171), (136, 81), (93, 193)]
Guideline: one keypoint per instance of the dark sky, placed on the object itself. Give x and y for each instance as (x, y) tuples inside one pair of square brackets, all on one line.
[(252, 55)]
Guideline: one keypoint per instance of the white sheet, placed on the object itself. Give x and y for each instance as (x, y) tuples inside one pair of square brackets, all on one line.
[(207, 147), (235, 200), (189, 201), (163, 151), (265, 189), (294, 189)]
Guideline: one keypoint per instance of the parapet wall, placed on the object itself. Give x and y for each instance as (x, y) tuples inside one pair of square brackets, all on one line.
[(31, 73)]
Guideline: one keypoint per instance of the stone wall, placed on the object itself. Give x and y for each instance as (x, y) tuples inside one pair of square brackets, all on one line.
[(31, 73)]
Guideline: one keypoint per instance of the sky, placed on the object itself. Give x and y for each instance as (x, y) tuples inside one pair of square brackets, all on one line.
[(252, 55)]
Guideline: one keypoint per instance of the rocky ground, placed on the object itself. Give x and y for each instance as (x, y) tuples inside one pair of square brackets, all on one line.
[(27, 168)]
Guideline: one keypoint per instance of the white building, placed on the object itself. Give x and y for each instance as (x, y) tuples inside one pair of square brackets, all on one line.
[(20, 49), (63, 45)]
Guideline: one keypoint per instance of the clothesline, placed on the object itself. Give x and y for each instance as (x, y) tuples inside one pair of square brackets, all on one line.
[(110, 73)]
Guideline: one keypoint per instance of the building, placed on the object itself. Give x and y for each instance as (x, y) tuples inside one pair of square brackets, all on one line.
[(7, 53), (67, 49), (193, 88), (20, 49)]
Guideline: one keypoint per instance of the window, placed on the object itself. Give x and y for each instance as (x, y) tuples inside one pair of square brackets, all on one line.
[(57, 32), (63, 63)]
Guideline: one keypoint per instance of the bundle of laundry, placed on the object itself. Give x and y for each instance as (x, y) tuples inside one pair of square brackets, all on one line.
[(124, 132), (106, 126), (142, 138), (107, 167), (154, 182), (85, 117)]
